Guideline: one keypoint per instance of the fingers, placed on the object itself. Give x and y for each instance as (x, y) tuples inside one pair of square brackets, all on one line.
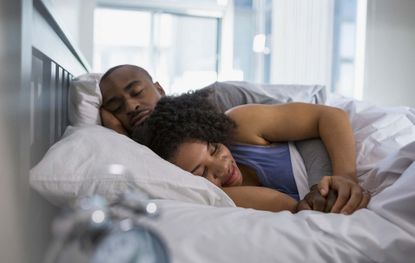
[(319, 202), (303, 205), (104, 111), (312, 201), (324, 185), (365, 200), (350, 196), (335, 194), (356, 196), (331, 199), (343, 195)]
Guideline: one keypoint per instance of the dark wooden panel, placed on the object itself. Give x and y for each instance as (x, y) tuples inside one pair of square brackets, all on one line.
[(48, 104), (58, 87), (65, 97), (38, 108), (52, 111)]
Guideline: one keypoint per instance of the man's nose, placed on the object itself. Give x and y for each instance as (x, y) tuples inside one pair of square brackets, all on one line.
[(132, 105)]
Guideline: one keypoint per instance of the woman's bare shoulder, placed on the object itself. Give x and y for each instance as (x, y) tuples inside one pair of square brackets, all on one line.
[(247, 107), (245, 132), (246, 112)]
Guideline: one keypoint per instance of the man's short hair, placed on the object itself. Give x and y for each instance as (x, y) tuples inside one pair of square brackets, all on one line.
[(108, 72)]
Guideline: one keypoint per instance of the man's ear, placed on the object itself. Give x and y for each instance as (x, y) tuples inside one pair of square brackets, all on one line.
[(159, 88)]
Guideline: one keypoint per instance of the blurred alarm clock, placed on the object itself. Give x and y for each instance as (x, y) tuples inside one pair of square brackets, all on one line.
[(95, 231)]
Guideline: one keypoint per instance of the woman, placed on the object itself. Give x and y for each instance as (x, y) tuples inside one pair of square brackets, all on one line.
[(190, 133)]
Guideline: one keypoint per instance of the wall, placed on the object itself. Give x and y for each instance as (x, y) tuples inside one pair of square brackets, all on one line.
[(301, 41), (77, 19), (389, 77), (14, 189)]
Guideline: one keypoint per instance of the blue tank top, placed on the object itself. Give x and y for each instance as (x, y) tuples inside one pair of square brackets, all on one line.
[(272, 165)]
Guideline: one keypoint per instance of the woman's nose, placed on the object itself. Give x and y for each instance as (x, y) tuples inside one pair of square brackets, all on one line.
[(221, 169)]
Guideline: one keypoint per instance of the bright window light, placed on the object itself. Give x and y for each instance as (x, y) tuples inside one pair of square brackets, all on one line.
[(179, 51), (222, 2), (120, 27), (259, 43)]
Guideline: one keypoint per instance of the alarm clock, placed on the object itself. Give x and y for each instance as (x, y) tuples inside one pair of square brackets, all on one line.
[(95, 231)]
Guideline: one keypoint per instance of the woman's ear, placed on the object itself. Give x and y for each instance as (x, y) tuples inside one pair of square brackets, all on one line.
[(159, 88)]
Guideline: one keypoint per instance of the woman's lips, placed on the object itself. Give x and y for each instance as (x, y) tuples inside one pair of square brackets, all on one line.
[(233, 177)]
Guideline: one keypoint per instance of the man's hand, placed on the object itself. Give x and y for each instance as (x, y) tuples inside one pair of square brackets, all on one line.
[(350, 195), (110, 121), (315, 201)]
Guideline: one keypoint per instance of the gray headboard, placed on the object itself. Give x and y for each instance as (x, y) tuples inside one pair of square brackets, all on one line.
[(55, 61), (38, 61), (48, 104)]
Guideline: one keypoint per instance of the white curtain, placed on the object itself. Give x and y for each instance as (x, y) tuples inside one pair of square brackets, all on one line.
[(302, 41)]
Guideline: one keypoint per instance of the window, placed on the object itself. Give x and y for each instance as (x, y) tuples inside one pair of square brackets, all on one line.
[(344, 46), (180, 51), (252, 35)]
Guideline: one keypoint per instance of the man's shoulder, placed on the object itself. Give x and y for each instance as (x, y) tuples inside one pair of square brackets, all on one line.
[(240, 89), (242, 92), (229, 94)]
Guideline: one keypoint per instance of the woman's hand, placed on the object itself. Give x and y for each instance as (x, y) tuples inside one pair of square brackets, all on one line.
[(317, 202), (110, 121), (350, 195)]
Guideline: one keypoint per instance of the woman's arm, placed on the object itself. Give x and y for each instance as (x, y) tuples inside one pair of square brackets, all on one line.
[(263, 124), (261, 198)]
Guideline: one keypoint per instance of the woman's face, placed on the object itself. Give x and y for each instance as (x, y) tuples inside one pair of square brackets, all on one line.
[(210, 160)]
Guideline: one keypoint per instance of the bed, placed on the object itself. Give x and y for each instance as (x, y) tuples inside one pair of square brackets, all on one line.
[(199, 222)]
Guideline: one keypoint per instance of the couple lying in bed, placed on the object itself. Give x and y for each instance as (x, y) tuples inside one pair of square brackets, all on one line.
[(244, 150)]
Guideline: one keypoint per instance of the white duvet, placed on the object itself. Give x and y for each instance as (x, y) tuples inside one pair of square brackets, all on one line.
[(383, 233)]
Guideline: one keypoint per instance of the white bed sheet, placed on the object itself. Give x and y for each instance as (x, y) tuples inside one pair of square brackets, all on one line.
[(383, 233), (198, 233)]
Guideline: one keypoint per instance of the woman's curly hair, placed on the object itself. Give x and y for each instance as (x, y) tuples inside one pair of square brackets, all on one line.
[(177, 119)]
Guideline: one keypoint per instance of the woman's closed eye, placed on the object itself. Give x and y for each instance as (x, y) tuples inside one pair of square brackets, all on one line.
[(214, 148), (202, 171), (205, 172)]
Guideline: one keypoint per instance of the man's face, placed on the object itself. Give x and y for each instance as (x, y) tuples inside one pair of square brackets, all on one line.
[(130, 95)]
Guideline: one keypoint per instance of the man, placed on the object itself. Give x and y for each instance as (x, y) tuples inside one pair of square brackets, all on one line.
[(130, 95)]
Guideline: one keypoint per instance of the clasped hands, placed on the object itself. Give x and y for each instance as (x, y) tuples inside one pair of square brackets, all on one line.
[(336, 194)]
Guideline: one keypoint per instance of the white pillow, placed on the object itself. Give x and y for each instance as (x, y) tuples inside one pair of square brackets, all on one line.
[(85, 100), (75, 166)]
